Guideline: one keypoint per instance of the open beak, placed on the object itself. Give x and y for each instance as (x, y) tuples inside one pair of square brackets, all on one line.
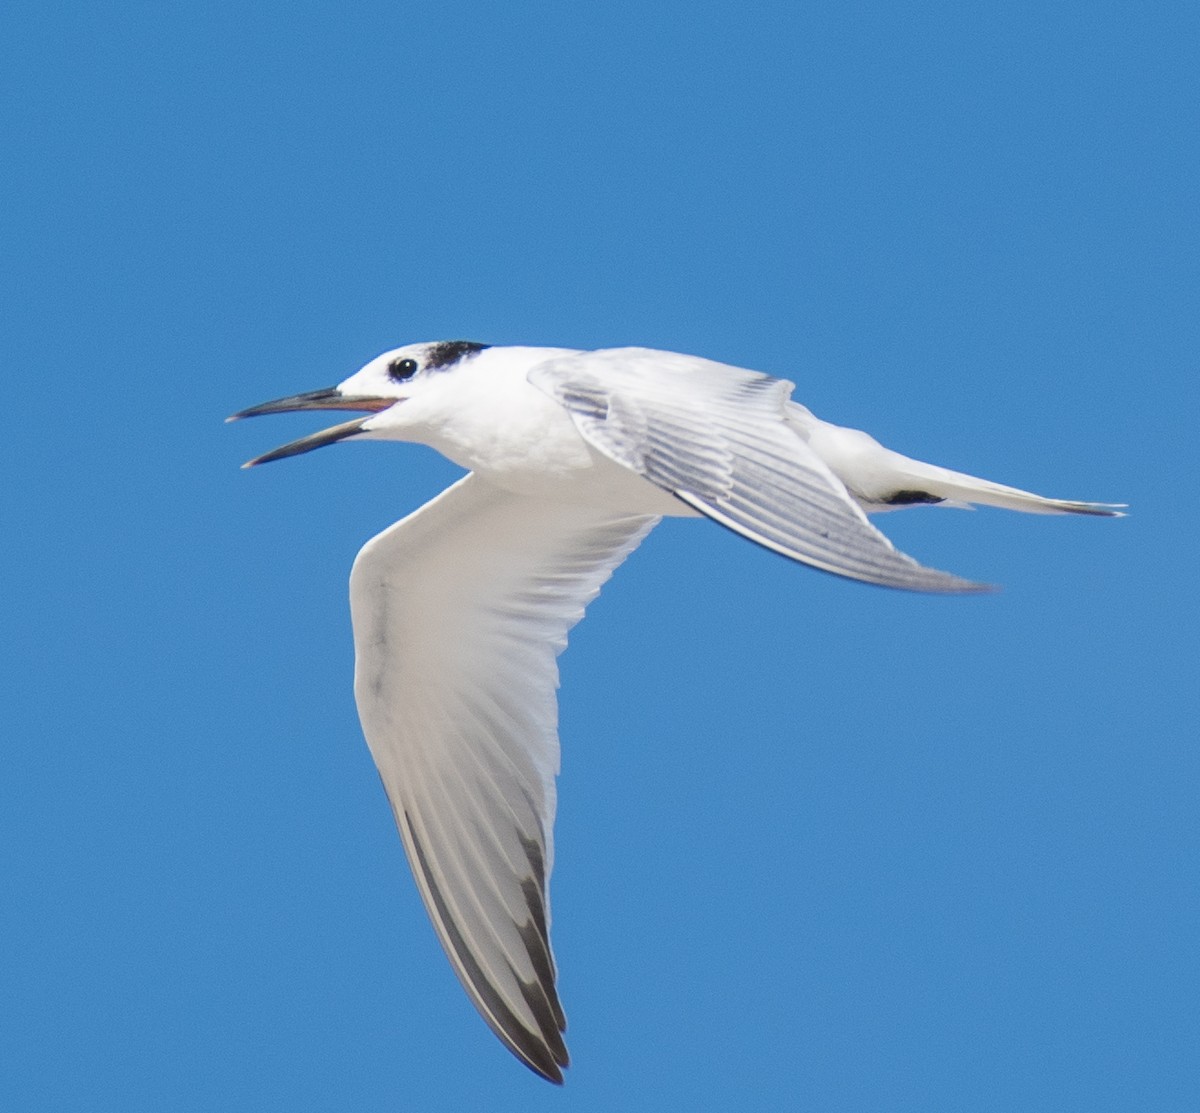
[(328, 399)]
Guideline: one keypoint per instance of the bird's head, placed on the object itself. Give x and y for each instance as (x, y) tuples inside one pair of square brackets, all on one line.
[(379, 388)]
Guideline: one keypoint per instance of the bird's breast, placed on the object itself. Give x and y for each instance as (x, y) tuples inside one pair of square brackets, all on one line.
[(520, 439), (510, 432)]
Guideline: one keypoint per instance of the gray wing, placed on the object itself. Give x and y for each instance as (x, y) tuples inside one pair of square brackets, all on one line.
[(459, 613), (718, 438)]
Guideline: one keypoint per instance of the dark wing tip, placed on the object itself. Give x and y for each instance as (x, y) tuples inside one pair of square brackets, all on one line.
[(543, 1051)]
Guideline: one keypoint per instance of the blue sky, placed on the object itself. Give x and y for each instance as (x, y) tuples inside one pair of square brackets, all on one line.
[(820, 846)]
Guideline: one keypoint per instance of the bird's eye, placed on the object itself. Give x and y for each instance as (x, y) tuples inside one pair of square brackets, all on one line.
[(401, 369)]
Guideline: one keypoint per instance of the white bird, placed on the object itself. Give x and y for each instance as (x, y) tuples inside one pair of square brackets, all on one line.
[(461, 609)]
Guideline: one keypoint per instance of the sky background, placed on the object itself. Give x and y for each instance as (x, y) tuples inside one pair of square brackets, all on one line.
[(820, 846)]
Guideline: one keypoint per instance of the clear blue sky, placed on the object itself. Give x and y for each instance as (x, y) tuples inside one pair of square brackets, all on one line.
[(821, 847)]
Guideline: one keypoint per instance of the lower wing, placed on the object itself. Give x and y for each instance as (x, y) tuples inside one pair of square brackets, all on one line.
[(459, 613)]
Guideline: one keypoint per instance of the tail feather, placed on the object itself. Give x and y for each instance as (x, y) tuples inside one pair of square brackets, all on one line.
[(958, 487), (881, 479)]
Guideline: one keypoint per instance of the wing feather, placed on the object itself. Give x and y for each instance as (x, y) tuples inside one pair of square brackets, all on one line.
[(718, 438), (459, 613)]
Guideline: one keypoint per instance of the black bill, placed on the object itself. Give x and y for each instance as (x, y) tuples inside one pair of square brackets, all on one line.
[(313, 440), (328, 399)]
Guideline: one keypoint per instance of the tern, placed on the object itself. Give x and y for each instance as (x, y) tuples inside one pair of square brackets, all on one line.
[(461, 609)]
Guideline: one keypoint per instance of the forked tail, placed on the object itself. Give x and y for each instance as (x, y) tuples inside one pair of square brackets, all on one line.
[(881, 479), (956, 487)]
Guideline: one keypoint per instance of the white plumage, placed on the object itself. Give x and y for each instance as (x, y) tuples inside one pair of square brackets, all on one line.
[(461, 609)]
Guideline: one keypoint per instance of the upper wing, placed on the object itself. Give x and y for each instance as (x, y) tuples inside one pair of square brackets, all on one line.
[(459, 613), (717, 437)]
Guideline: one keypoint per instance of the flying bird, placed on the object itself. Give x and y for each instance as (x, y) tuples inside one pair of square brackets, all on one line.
[(461, 609)]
